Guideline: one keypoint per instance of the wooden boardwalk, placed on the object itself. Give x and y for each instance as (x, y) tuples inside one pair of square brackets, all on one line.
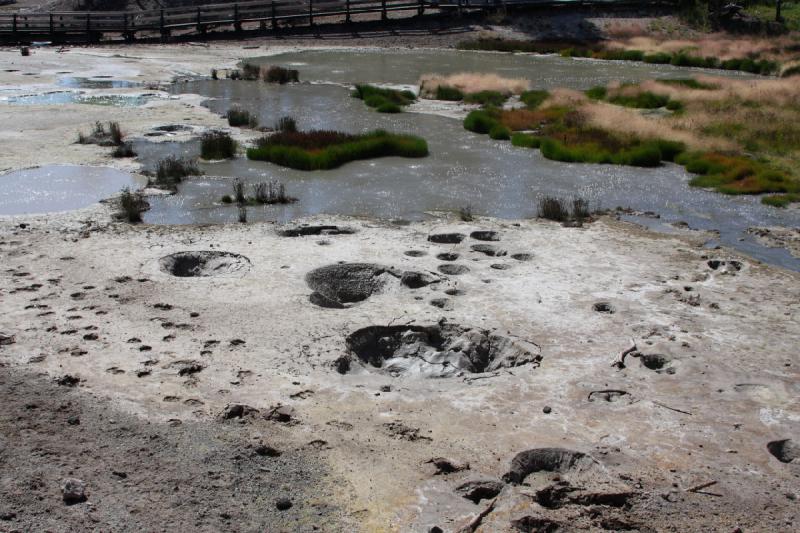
[(93, 26)]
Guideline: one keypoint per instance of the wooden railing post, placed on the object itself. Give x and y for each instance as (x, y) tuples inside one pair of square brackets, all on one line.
[(161, 24), (88, 23), (198, 19), (383, 10), (52, 30), (274, 18), (311, 12), (237, 25), (421, 8), (347, 12), (14, 25)]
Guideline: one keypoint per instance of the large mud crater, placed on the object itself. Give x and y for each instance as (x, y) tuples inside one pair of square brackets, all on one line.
[(441, 350), (204, 264), (342, 285)]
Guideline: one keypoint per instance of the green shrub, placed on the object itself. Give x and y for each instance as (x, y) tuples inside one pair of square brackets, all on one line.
[(735, 174), (690, 83), (384, 100), (171, 170), (480, 121), (443, 92), (217, 145), (226, 199), (658, 58), (620, 55), (241, 118), (597, 93), (250, 72), (500, 132), (534, 98), (552, 208), (297, 151), (276, 74), (492, 98), (780, 200), (791, 71), (131, 205), (642, 100), (575, 52), (286, 124), (675, 105), (388, 107), (525, 140)]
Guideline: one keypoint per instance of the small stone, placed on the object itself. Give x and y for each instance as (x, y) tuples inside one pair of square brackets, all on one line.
[(283, 504), (73, 491), (73, 421), (547, 409)]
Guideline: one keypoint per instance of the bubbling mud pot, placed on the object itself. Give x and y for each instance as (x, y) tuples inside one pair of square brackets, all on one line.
[(441, 350), (203, 264), (340, 286)]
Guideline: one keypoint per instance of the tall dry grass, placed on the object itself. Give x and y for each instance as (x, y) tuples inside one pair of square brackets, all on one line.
[(471, 82), (719, 45)]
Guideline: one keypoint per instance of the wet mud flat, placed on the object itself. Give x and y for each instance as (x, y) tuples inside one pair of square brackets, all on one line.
[(550, 378)]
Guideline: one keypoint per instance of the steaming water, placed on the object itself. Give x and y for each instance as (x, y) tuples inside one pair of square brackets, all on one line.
[(493, 177)]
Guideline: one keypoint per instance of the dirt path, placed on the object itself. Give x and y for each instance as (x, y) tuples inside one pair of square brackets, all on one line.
[(148, 476)]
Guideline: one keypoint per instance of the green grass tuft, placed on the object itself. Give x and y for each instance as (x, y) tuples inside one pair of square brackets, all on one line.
[(316, 150), (444, 92), (217, 145), (534, 98), (490, 98), (384, 100), (500, 132)]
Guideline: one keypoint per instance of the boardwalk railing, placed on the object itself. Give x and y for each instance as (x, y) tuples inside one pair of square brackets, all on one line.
[(91, 25)]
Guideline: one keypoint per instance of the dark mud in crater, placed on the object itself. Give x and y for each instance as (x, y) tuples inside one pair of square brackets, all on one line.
[(338, 286), (204, 264), (558, 460), (304, 231), (441, 350)]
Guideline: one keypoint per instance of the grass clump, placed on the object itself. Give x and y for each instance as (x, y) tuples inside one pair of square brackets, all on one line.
[(534, 98), (735, 174), (271, 192), (226, 199), (481, 121), (249, 72), (465, 213), (690, 83), (123, 150), (281, 75), (322, 150), (525, 140), (217, 145), (131, 204), (102, 135), (658, 58), (238, 117), (384, 100), (780, 200), (575, 212), (452, 94), (597, 93), (286, 124), (171, 170), (486, 98), (238, 191), (499, 132), (642, 100)]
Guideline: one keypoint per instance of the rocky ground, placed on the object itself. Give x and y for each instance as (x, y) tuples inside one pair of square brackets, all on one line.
[(436, 376)]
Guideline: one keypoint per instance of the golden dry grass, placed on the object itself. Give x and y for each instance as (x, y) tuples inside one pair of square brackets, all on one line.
[(719, 45), (472, 82)]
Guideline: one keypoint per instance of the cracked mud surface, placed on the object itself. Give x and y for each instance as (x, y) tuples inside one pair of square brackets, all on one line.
[(711, 398)]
